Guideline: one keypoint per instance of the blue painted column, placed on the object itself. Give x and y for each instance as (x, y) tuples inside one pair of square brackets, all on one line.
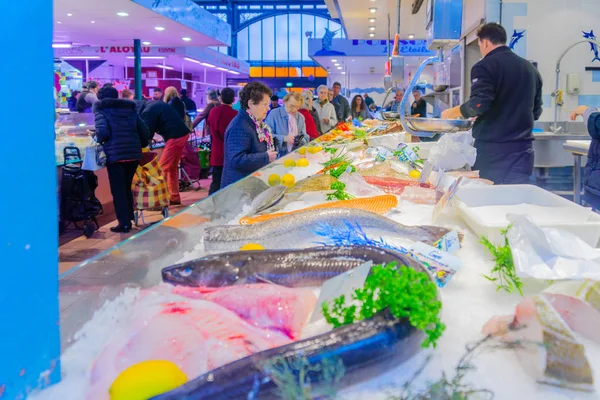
[(29, 318), (137, 68)]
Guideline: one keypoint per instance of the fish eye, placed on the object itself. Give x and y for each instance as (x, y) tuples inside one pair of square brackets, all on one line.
[(186, 272)]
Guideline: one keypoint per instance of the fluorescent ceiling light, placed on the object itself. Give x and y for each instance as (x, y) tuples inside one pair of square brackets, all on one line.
[(207, 65), (333, 60), (343, 72), (148, 57), (122, 14), (222, 69), (339, 67), (371, 28), (191, 60), (80, 58), (58, 22), (61, 45), (373, 10), (93, 22), (186, 39), (146, 43), (159, 28), (337, 64), (234, 72), (371, 35), (163, 66), (69, 15), (372, 20)]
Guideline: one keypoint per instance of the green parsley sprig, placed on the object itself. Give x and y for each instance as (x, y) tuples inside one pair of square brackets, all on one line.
[(340, 169), (339, 193), (407, 293), (330, 150), (503, 273)]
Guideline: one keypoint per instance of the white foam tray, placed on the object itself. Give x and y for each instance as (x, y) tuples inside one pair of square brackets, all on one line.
[(467, 198)]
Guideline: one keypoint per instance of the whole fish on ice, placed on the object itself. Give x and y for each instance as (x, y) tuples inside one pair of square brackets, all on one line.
[(266, 199), (292, 268), (263, 305), (298, 230)]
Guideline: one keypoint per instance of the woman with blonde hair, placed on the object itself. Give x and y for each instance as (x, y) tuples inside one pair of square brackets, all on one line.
[(310, 115), (173, 99), (325, 110), (288, 125)]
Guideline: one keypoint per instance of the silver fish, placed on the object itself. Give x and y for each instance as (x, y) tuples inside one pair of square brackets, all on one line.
[(299, 230), (266, 199)]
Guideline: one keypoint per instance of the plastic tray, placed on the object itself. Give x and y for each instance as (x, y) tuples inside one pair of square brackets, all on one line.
[(584, 223)]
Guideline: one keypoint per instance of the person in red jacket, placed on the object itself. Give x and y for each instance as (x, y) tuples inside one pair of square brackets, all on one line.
[(305, 109), (218, 121)]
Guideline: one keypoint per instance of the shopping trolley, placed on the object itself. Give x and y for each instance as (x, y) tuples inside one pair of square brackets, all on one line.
[(149, 188)]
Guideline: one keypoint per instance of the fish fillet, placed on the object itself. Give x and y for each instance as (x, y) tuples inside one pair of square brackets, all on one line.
[(547, 348), (196, 335), (263, 305), (394, 185), (377, 204), (313, 184)]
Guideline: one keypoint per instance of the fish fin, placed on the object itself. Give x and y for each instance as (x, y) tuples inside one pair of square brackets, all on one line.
[(261, 279)]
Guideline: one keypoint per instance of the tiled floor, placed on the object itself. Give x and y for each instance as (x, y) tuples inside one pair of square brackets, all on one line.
[(76, 248)]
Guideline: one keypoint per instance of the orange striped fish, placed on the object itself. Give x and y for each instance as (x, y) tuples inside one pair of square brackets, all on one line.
[(377, 204)]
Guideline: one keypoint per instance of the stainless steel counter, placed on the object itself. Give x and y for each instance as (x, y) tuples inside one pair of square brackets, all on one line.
[(548, 146)]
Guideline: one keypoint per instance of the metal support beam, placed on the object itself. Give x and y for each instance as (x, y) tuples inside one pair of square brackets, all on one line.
[(137, 68)]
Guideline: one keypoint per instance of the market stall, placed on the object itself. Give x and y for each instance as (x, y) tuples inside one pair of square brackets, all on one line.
[(342, 192)]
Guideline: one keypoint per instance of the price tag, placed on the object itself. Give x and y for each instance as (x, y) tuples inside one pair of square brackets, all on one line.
[(441, 204), (449, 243), (441, 265), (343, 284)]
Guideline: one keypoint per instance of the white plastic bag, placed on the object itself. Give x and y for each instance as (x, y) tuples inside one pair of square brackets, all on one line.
[(453, 151), (549, 253)]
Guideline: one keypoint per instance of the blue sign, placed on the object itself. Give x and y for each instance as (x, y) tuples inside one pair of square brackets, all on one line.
[(590, 35), (367, 48)]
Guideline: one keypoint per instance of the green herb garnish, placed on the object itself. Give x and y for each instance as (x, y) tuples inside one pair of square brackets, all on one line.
[(340, 169), (360, 134), (330, 150), (407, 293), (339, 193), (334, 161), (503, 273)]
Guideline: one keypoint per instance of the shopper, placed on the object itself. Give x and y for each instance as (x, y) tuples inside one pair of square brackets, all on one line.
[(190, 105), (394, 105), (72, 100), (336, 106), (172, 98), (288, 125), (325, 110), (157, 94), (88, 97), (344, 107), (368, 100), (122, 133), (127, 94), (161, 118), (506, 98), (274, 102), (218, 121), (212, 101), (419, 106), (359, 108), (591, 173), (248, 140), (311, 118)]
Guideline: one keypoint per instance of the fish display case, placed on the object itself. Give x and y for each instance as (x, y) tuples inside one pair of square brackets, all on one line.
[(378, 363), (72, 130)]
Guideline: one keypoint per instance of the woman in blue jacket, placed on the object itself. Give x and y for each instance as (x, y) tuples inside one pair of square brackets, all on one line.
[(123, 134), (591, 173), (288, 124), (248, 140)]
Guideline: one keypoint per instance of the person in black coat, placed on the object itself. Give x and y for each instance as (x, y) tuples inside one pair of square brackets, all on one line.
[(122, 133), (190, 105), (161, 118), (72, 100), (172, 98)]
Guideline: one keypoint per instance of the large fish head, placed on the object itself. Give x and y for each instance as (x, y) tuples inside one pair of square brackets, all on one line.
[(206, 275)]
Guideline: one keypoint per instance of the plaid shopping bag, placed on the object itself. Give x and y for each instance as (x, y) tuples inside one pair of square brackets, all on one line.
[(149, 185)]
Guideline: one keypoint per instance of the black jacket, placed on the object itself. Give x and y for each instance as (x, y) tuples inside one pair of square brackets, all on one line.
[(83, 105), (178, 105), (161, 118), (506, 98), (190, 105), (120, 130)]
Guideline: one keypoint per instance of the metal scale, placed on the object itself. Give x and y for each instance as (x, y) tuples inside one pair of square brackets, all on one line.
[(443, 20)]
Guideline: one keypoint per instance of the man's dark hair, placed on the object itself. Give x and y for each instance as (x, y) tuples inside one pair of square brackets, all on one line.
[(274, 98), (336, 84), (255, 92), (183, 92), (91, 85), (108, 92), (75, 93), (227, 95), (108, 85), (158, 90), (493, 32)]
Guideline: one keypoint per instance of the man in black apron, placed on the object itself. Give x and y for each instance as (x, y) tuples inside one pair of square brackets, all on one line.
[(506, 99)]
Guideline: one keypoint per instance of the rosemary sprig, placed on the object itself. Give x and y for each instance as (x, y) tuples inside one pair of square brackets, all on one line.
[(504, 273)]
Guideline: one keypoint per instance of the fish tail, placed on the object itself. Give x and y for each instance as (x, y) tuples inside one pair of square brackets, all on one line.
[(596, 58)]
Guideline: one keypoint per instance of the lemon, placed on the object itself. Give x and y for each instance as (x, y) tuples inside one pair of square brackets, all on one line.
[(146, 379), (288, 180), (303, 162), (251, 246), (289, 163), (314, 149), (414, 174), (274, 179), (302, 151)]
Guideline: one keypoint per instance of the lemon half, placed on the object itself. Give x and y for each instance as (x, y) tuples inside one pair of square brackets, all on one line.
[(147, 379)]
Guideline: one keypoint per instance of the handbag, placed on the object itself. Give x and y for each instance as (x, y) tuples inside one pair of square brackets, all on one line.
[(94, 158)]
